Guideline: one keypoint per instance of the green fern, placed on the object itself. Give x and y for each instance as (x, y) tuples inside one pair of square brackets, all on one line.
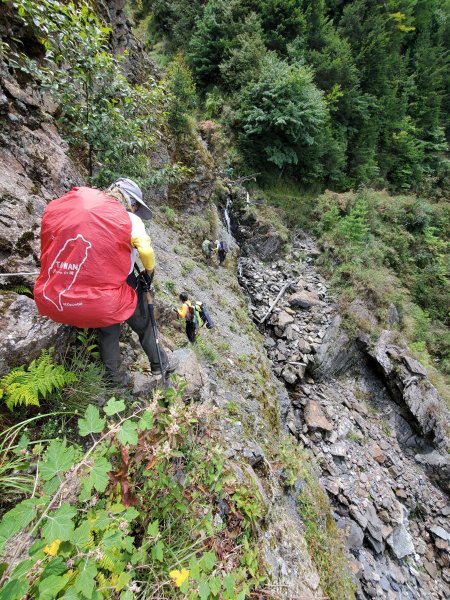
[(27, 386)]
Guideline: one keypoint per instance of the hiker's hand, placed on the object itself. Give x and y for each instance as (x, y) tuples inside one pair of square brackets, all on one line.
[(148, 277)]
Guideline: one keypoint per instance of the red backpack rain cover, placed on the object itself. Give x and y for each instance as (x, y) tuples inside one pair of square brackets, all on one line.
[(85, 260)]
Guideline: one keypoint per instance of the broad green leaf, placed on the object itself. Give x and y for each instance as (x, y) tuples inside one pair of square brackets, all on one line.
[(113, 406), (14, 590), (59, 524), (127, 595), (228, 582), (81, 535), (22, 568), (50, 586), (16, 519), (98, 478), (146, 421), (91, 422), (203, 590), (84, 582), (99, 473), (131, 514), (207, 561), (128, 435), (124, 578), (57, 460), (55, 567), (72, 594), (158, 551), (214, 585), (153, 529)]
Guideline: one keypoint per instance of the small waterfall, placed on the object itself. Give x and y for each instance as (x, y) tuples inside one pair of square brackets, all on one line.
[(226, 215), (248, 199)]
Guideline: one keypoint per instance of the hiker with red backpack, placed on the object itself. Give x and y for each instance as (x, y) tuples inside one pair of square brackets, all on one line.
[(90, 241)]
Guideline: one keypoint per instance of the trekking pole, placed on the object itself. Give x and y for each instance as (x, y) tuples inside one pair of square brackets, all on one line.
[(146, 284)]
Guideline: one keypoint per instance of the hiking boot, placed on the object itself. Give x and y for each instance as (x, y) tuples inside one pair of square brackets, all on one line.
[(117, 379), (170, 368)]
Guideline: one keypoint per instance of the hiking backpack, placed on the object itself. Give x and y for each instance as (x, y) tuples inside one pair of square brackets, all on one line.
[(204, 315), (85, 260)]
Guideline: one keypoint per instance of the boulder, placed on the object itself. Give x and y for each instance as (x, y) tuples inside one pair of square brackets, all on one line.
[(315, 418), (401, 542), (24, 332), (336, 353), (303, 299), (284, 319), (190, 370), (289, 375)]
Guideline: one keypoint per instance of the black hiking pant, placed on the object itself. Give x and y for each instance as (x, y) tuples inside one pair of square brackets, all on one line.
[(140, 323), (191, 331), (222, 255)]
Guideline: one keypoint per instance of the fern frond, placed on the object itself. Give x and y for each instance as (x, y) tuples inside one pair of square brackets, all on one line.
[(26, 387)]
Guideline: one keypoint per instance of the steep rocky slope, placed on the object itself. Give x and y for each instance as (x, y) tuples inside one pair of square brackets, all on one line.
[(373, 421)]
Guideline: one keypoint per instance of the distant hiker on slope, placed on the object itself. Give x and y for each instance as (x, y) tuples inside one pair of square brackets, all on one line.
[(222, 250), (187, 312), (90, 241), (207, 248)]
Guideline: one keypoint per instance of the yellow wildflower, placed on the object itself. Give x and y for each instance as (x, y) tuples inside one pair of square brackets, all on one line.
[(179, 577), (52, 549)]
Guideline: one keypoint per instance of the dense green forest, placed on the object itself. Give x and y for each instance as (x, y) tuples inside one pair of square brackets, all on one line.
[(345, 95), (331, 92)]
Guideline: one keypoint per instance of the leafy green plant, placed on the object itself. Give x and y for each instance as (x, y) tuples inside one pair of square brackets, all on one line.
[(132, 516), (17, 454), (27, 385), (109, 121)]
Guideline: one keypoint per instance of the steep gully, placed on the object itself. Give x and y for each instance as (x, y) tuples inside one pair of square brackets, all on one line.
[(377, 456)]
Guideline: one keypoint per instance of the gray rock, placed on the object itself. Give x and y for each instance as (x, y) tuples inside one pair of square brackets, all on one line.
[(354, 535), (289, 375), (284, 319), (189, 369), (414, 365), (440, 532), (303, 299), (336, 352), (24, 332), (393, 316), (339, 449), (401, 542)]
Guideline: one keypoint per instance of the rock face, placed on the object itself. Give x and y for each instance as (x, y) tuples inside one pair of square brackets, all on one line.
[(24, 332), (373, 422), (35, 169), (407, 381)]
